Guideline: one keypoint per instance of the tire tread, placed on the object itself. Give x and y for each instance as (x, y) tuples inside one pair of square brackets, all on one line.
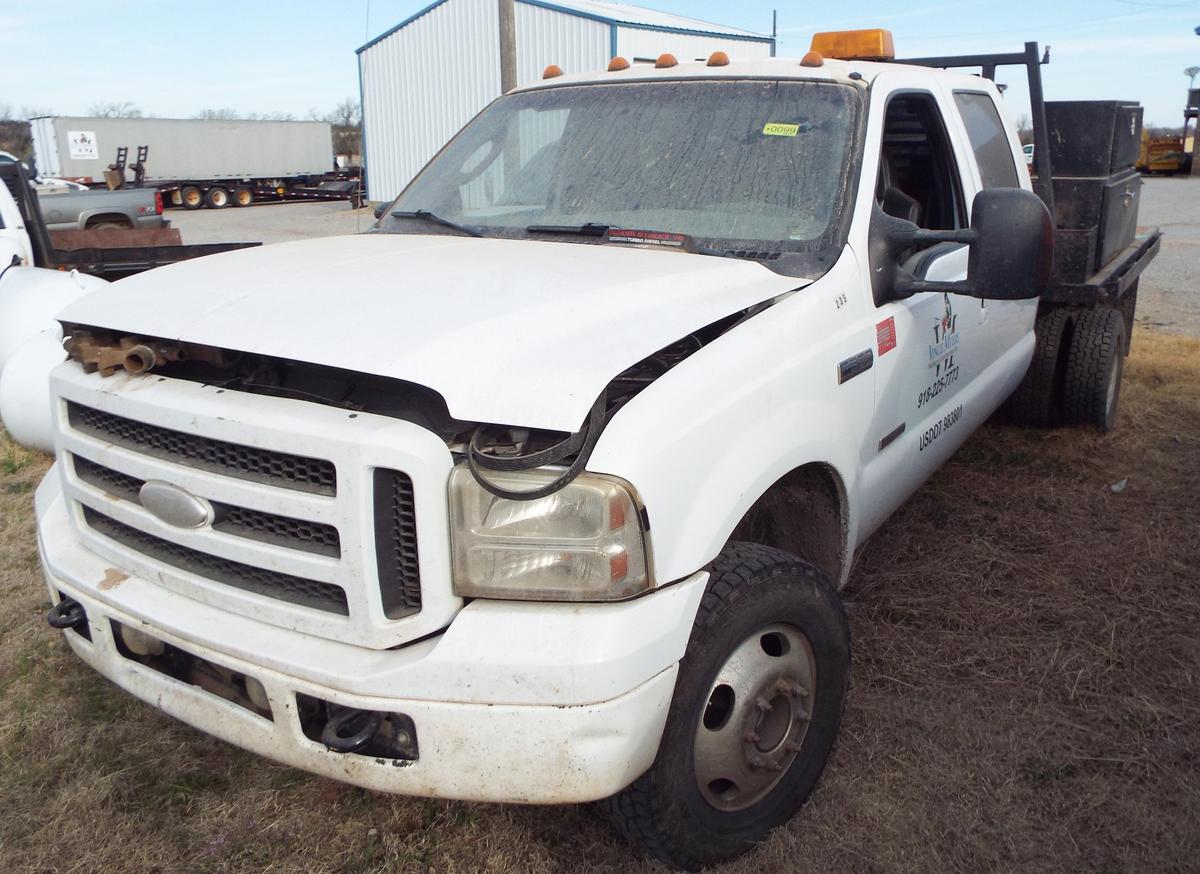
[(733, 576)]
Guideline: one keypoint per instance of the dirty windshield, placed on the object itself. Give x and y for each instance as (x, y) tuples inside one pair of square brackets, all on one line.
[(732, 164)]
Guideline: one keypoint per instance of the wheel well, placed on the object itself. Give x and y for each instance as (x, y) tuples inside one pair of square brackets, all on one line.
[(114, 217), (803, 513)]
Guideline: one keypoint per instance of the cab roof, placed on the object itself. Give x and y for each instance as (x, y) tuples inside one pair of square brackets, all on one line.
[(830, 70)]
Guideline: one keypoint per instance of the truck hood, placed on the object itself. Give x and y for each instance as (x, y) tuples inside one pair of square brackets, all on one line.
[(512, 332)]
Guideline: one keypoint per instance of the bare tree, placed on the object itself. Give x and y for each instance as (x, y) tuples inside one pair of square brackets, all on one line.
[(115, 110), (225, 114), (1025, 129)]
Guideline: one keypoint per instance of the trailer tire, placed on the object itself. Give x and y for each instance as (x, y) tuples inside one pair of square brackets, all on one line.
[(1036, 402), (769, 655), (216, 197), (242, 196), (191, 197), (1095, 364)]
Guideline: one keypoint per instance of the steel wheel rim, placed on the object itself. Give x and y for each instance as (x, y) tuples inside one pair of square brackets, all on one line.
[(755, 717)]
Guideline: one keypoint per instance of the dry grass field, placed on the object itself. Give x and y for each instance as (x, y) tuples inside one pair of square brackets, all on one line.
[(1025, 696)]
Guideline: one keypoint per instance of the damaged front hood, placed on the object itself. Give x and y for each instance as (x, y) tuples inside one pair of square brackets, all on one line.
[(508, 331)]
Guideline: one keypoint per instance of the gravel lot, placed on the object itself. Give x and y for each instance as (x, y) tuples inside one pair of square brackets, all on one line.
[(270, 222), (1168, 297)]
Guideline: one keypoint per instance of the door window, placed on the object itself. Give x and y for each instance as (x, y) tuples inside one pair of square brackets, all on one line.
[(918, 177), (988, 139)]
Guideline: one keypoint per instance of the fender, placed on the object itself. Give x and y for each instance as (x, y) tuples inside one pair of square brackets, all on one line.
[(741, 413)]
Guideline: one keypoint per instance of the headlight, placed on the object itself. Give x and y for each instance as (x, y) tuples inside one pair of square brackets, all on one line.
[(582, 543)]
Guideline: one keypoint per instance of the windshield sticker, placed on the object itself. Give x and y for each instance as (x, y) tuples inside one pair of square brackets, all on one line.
[(778, 129), (647, 238)]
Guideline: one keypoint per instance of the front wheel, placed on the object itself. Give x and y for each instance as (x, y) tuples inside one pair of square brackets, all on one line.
[(756, 709)]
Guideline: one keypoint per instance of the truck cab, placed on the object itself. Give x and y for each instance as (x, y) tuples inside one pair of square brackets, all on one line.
[(544, 490)]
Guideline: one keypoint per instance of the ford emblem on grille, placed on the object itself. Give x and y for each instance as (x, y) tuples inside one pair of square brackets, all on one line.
[(174, 505)]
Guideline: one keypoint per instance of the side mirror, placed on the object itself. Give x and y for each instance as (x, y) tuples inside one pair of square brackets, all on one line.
[(1011, 252)]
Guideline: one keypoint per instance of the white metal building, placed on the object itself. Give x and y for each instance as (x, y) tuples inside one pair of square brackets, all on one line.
[(429, 75)]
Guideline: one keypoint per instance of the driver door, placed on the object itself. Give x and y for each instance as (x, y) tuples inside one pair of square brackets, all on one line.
[(925, 345)]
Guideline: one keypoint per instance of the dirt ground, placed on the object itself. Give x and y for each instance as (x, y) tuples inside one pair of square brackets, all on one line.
[(1025, 690)]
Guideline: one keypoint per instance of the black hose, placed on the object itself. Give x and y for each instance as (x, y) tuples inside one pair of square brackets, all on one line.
[(581, 443)]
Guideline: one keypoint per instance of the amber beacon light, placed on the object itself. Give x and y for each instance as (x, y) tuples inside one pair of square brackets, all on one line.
[(855, 45)]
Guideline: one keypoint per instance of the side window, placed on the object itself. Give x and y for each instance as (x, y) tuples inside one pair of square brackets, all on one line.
[(988, 139), (918, 177)]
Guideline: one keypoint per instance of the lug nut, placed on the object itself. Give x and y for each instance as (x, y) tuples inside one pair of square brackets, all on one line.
[(792, 747), (751, 737), (762, 705), (758, 763)]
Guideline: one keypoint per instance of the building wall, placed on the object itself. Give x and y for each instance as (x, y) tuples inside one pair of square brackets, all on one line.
[(545, 37), (421, 84), (636, 42)]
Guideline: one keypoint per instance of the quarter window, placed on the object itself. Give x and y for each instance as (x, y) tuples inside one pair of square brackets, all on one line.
[(988, 138)]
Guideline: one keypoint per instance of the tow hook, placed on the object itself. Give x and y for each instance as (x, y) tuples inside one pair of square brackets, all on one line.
[(349, 730), (67, 613)]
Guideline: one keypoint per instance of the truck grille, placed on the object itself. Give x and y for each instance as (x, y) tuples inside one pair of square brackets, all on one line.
[(230, 459), (314, 521), (285, 587), (396, 544), (314, 537)]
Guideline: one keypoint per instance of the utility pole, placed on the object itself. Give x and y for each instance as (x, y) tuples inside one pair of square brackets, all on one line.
[(508, 46)]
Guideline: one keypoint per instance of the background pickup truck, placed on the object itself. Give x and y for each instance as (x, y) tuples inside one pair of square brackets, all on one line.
[(86, 210)]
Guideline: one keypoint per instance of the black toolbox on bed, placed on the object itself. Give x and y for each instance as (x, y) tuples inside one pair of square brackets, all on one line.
[(1093, 145)]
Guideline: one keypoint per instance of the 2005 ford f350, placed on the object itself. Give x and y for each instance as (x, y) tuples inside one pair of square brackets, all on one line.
[(544, 490)]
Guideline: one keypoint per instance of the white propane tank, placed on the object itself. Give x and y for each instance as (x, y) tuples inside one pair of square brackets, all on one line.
[(31, 346)]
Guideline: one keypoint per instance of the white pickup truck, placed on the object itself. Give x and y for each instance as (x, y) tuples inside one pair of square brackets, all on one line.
[(544, 490)]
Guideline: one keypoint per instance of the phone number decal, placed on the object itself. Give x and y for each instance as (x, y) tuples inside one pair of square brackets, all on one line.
[(937, 429), (938, 386)]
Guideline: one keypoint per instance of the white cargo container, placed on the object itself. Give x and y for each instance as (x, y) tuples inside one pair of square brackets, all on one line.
[(195, 161), (429, 75)]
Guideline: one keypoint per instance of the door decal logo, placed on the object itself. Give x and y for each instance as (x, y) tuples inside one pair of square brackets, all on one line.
[(885, 335), (945, 339)]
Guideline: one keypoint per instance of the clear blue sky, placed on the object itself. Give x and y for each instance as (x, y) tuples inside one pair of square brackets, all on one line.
[(175, 58)]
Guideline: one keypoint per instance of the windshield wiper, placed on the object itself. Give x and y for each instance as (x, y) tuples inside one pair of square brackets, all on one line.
[(589, 229), (438, 220)]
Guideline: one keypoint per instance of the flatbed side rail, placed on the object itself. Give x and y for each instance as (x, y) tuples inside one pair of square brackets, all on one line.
[(1114, 280), (117, 263)]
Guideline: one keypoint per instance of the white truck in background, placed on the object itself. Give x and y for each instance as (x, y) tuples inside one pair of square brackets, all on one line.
[(544, 490)]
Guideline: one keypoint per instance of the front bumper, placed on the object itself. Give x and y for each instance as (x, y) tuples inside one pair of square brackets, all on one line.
[(541, 703)]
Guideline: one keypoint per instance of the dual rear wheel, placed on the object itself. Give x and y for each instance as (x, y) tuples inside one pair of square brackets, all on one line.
[(1078, 362)]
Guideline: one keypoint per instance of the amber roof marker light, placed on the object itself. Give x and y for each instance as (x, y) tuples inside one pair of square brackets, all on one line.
[(812, 59), (665, 60), (618, 64), (855, 45), (552, 72), (718, 59)]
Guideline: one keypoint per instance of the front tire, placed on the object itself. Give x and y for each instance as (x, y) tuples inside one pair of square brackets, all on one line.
[(757, 705)]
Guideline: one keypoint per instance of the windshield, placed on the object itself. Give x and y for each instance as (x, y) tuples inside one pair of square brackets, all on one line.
[(734, 164)]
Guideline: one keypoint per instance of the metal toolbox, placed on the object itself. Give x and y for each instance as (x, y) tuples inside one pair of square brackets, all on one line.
[(1107, 203), (1074, 254), (1092, 137)]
